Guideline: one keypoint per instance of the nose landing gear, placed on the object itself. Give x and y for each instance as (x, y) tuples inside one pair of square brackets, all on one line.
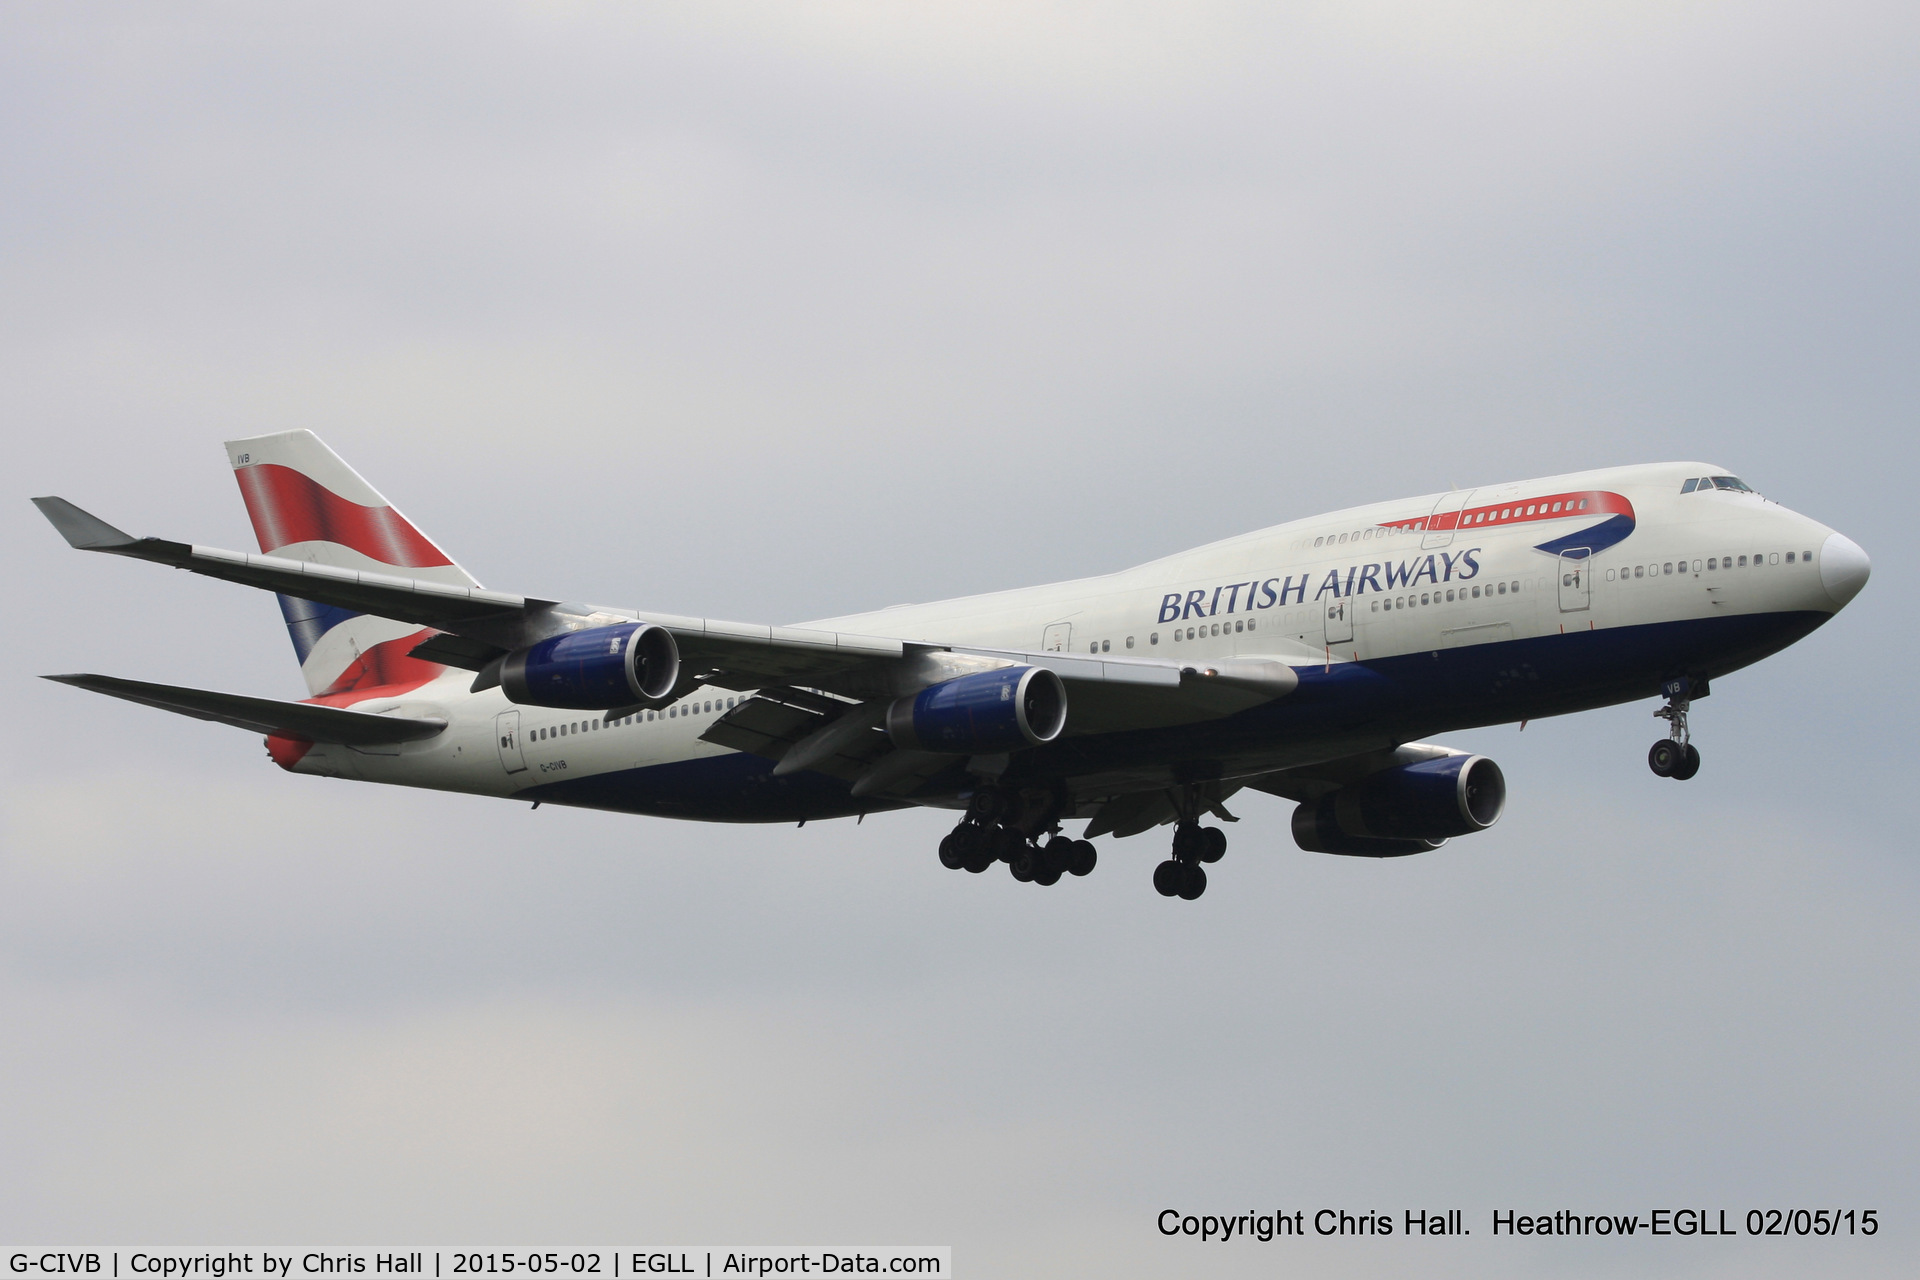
[(1675, 756)]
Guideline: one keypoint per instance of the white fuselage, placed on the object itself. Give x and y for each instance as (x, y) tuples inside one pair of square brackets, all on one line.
[(1368, 585)]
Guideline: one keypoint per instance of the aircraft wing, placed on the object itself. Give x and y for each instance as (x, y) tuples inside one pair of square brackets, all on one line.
[(264, 715), (480, 626)]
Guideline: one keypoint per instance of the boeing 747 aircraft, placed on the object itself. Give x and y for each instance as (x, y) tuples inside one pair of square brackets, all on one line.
[(1305, 661)]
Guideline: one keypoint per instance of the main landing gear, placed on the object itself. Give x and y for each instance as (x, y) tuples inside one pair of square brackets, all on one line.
[(1002, 828), (1182, 876), (1675, 756)]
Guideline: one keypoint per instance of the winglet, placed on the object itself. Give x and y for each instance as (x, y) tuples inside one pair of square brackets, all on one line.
[(82, 530)]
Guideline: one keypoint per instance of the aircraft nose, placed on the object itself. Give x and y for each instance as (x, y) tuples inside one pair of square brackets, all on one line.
[(1843, 568)]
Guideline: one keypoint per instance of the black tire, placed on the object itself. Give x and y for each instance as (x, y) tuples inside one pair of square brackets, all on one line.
[(1213, 845), (1194, 882), (1082, 858), (1022, 870), (1048, 875), (1168, 877), (1689, 763), (1664, 756), (979, 855), (1188, 842), (1008, 844), (953, 850)]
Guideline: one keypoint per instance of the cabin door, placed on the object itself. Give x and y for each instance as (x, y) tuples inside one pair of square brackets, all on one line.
[(1058, 638), (1445, 519), (1339, 621), (1576, 580), (506, 728)]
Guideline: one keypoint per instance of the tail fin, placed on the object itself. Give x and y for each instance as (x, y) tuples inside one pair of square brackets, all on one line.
[(307, 504)]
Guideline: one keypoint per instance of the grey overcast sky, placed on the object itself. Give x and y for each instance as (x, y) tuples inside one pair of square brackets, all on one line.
[(778, 311)]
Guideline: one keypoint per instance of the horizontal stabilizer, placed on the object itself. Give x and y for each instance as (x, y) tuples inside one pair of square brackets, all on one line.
[(264, 715), (82, 529)]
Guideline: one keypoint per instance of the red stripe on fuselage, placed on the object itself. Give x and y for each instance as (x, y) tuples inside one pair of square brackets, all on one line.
[(1599, 503), (288, 507)]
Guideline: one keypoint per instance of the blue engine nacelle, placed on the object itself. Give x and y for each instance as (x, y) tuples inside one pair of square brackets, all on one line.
[(1409, 809), (985, 712), (594, 670)]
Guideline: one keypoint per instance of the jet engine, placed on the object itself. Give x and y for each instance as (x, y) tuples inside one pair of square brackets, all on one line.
[(984, 712), (1409, 809), (594, 670)]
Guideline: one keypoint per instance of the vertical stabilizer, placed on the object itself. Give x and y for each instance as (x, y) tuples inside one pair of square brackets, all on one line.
[(307, 504)]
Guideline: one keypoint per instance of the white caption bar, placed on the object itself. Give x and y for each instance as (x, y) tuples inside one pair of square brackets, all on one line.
[(690, 1262)]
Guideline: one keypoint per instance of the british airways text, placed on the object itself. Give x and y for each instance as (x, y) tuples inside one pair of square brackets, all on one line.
[(1358, 579)]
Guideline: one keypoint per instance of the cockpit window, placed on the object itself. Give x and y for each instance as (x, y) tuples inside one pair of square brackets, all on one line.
[(1705, 484)]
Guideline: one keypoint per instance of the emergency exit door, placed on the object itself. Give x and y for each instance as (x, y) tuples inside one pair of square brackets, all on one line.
[(1057, 639)]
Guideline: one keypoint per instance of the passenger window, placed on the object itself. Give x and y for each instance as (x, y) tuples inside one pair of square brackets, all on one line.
[(1106, 646), (1129, 642), (1609, 575), (1376, 607), (1667, 568), (1240, 626), (1503, 588), (1250, 622), (1806, 557), (1789, 557), (1476, 593), (1154, 638), (1318, 541), (1712, 563)]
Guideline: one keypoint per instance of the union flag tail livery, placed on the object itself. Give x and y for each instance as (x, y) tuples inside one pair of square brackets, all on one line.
[(1304, 661), (307, 504)]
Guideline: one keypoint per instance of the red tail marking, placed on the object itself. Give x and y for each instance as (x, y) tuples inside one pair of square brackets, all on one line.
[(287, 752), (384, 671), (288, 507)]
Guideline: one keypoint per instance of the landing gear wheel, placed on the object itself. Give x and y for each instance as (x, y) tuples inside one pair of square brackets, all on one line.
[(979, 851), (954, 849), (1169, 877), (1048, 875), (1665, 756), (1213, 845), (1193, 881), (1082, 857), (1022, 869), (1008, 844), (1689, 763), (1189, 842)]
